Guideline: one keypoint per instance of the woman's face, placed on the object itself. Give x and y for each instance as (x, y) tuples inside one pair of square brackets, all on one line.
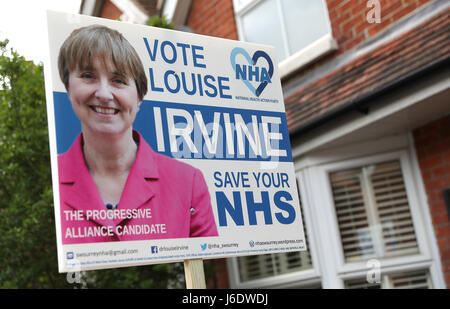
[(104, 100)]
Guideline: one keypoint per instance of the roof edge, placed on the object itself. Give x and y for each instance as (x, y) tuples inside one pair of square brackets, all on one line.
[(360, 104)]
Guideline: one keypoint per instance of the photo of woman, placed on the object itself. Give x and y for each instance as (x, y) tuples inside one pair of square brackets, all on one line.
[(113, 186)]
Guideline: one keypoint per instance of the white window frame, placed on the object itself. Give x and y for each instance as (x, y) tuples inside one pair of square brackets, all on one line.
[(327, 230), (329, 267), (301, 58)]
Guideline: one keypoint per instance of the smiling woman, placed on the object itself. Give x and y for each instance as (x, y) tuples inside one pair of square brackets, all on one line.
[(110, 166), (105, 101)]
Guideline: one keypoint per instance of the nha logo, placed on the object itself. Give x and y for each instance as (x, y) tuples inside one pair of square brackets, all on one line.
[(249, 73)]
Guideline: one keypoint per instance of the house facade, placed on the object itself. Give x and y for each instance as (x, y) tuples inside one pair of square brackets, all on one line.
[(366, 87)]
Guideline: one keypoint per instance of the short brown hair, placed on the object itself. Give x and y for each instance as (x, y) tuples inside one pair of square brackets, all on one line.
[(86, 43)]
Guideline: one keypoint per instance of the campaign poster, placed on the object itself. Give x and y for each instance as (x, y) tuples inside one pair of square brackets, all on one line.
[(165, 146)]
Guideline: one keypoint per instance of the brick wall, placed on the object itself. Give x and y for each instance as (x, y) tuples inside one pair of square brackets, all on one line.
[(349, 19), (432, 143), (216, 274), (110, 11), (349, 25), (214, 18)]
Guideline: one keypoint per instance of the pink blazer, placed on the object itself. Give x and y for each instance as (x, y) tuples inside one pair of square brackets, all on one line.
[(163, 198)]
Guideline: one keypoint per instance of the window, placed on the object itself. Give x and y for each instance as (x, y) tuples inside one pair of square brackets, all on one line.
[(369, 210), (363, 214), (373, 212), (292, 26)]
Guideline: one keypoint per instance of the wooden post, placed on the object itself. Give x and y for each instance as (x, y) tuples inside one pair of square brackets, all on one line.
[(194, 274)]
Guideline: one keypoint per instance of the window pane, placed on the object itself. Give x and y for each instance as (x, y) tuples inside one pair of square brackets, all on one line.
[(361, 284), (267, 265), (415, 280), (257, 266), (305, 22), (262, 25), (393, 209), (373, 212), (352, 215), (409, 280)]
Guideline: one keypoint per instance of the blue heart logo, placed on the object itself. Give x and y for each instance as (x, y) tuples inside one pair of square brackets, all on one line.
[(252, 61)]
